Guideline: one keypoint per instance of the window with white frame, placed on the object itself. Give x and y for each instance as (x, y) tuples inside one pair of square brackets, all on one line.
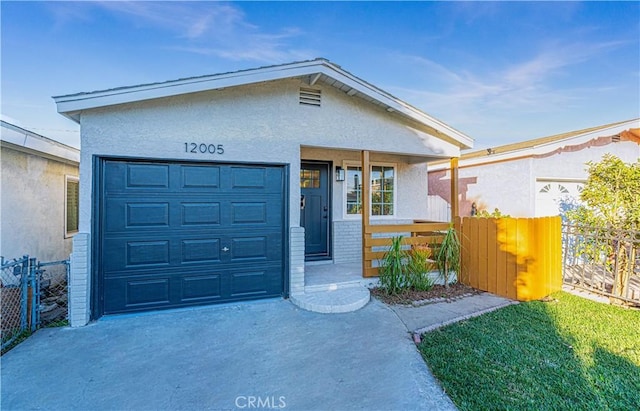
[(382, 189), (71, 205)]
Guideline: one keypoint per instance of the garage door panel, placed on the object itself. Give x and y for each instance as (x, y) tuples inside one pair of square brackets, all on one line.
[(257, 247), (137, 294), (254, 213), (135, 214), (145, 253), (200, 213), (202, 250), (262, 180), (141, 176), (249, 213), (200, 177), (254, 248), (154, 290), (248, 177), (179, 234), (149, 291), (201, 287), (249, 283), (147, 176), (553, 196), (125, 214), (147, 215), (254, 282)]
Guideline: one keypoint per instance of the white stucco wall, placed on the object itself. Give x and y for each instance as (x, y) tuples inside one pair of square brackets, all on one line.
[(506, 186), (33, 206), (511, 185)]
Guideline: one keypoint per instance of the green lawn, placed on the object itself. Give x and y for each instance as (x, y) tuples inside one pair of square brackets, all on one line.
[(571, 353)]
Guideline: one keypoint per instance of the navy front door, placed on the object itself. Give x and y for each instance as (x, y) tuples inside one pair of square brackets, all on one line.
[(176, 234), (315, 209)]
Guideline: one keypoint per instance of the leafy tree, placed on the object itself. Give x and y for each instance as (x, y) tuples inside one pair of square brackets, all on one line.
[(610, 217), (611, 195)]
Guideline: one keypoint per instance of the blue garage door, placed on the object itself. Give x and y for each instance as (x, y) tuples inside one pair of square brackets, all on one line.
[(177, 234)]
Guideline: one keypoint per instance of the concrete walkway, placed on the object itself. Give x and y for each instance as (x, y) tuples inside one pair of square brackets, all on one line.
[(269, 354), (422, 319)]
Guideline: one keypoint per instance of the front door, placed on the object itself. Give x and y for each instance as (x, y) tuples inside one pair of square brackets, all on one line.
[(315, 209)]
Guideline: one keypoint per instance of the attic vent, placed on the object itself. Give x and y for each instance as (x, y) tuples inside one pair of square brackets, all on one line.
[(310, 97)]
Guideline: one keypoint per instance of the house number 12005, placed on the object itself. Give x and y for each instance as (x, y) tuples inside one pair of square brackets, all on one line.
[(203, 148)]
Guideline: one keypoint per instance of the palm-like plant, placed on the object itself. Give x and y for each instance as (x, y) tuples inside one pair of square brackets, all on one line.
[(448, 257), (392, 267)]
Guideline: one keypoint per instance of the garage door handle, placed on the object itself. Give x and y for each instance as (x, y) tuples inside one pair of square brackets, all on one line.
[(225, 249)]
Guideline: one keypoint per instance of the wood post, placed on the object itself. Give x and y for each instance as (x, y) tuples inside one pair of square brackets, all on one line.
[(364, 205), (454, 189)]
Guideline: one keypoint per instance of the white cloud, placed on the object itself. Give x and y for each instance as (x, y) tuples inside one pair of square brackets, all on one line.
[(539, 90), (527, 86), (212, 28)]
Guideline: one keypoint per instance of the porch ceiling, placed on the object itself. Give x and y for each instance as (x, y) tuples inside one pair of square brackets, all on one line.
[(410, 158)]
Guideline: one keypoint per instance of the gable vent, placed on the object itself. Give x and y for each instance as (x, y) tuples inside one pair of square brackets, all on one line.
[(310, 97)]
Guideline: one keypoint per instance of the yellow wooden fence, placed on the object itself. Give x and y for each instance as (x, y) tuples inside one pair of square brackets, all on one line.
[(518, 258)]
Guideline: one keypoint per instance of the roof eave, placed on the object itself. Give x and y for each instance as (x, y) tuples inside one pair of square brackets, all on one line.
[(26, 141), (72, 105)]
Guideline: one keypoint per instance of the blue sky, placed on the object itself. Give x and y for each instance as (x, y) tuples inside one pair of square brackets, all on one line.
[(499, 72)]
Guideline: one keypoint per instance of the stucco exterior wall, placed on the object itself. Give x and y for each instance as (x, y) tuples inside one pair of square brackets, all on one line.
[(33, 206), (506, 186), (511, 185)]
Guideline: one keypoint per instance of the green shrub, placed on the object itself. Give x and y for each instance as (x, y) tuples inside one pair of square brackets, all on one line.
[(420, 265), (495, 214), (449, 256), (402, 269), (392, 267)]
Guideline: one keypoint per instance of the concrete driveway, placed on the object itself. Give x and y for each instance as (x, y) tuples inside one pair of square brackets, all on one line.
[(261, 355)]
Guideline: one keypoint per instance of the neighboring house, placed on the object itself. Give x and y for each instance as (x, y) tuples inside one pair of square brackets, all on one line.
[(532, 178), (39, 190), (219, 188)]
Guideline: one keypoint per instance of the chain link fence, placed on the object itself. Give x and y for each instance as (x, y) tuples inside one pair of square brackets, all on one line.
[(33, 294)]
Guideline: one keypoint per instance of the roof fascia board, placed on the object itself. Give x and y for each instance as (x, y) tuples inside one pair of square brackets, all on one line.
[(72, 105), (540, 149), (600, 131), (31, 143), (72, 160), (551, 146), (78, 102), (400, 106)]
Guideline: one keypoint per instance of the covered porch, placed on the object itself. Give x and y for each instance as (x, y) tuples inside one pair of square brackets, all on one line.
[(331, 286)]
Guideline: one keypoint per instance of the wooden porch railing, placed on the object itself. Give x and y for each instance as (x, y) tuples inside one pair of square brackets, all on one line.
[(425, 234), (420, 233)]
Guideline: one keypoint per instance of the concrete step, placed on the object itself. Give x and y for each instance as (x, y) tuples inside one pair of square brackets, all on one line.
[(338, 300), (331, 286)]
